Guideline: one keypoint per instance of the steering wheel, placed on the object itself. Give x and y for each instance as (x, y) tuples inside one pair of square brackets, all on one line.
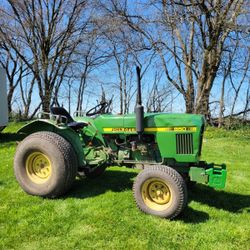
[(98, 109)]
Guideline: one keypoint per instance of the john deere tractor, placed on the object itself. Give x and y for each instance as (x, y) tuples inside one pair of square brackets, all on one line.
[(166, 147)]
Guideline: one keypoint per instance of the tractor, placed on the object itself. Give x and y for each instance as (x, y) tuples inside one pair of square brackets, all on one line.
[(165, 147)]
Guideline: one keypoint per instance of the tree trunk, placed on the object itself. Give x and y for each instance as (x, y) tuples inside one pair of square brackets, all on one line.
[(121, 97), (9, 98), (189, 102), (202, 106), (222, 104), (69, 99), (46, 101)]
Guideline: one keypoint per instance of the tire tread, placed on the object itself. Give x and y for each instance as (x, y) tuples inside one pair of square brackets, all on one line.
[(67, 153)]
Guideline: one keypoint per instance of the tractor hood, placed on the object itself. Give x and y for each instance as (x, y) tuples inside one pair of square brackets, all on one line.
[(153, 122)]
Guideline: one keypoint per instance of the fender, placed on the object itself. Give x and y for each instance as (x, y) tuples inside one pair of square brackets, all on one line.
[(67, 133)]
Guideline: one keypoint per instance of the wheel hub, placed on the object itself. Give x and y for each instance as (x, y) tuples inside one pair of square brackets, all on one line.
[(156, 194), (38, 167), (159, 192)]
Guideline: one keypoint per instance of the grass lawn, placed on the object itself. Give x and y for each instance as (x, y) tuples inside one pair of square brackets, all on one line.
[(101, 214)]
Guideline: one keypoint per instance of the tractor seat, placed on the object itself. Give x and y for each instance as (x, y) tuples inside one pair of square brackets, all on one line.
[(71, 122)]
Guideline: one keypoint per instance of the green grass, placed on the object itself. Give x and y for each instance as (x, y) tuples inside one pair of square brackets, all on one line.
[(101, 214)]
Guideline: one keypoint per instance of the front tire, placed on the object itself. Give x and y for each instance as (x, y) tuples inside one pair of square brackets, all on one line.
[(160, 191), (45, 164)]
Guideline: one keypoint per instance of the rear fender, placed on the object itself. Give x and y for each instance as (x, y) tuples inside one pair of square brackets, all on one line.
[(69, 134)]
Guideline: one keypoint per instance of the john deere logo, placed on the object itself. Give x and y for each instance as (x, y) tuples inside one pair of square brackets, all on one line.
[(160, 129)]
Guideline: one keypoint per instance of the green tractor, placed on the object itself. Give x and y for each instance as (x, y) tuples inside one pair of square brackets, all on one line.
[(166, 147)]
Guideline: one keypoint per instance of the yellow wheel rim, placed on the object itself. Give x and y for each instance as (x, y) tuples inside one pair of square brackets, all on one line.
[(156, 194), (38, 167)]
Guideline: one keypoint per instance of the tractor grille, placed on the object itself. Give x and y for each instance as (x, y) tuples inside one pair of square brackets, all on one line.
[(184, 143)]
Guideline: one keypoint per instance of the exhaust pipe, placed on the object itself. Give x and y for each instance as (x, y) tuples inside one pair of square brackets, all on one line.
[(139, 110)]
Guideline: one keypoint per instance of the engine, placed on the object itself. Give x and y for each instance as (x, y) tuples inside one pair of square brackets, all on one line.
[(128, 148)]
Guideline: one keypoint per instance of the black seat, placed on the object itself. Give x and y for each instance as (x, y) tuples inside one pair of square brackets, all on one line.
[(60, 111), (77, 125)]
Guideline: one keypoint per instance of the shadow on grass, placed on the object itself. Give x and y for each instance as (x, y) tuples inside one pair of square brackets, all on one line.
[(11, 137), (118, 181), (231, 202), (189, 215), (113, 180)]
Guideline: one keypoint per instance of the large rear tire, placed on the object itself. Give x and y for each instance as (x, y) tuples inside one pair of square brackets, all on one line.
[(45, 164), (160, 191)]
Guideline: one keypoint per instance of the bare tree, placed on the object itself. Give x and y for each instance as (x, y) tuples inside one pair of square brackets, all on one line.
[(160, 96), (247, 101), (49, 33), (26, 89), (238, 80), (88, 57), (190, 38), (234, 73), (123, 65), (226, 68), (208, 25)]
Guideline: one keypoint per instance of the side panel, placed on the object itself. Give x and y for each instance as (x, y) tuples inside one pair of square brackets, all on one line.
[(110, 123), (3, 100), (67, 133), (181, 145), (177, 135)]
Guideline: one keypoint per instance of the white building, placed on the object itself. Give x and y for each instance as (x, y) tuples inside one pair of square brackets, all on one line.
[(3, 100)]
